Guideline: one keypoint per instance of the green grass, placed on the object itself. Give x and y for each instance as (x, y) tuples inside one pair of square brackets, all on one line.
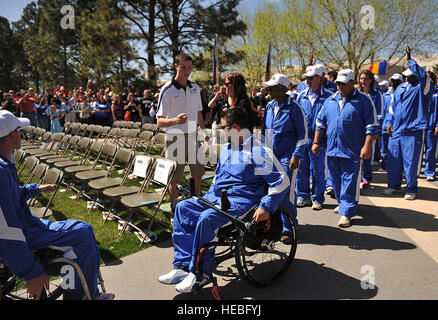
[(112, 245)]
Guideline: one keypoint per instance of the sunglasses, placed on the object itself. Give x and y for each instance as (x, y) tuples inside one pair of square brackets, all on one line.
[(225, 126), (18, 129)]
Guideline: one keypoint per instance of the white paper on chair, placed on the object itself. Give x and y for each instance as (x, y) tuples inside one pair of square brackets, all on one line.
[(141, 165), (162, 171)]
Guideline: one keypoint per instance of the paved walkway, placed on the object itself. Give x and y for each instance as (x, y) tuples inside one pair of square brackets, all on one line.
[(392, 243)]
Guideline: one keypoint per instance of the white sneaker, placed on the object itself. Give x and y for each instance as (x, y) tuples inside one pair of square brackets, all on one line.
[(303, 203), (187, 285), (389, 191), (429, 178), (410, 196), (316, 206), (173, 277), (336, 210), (344, 222)]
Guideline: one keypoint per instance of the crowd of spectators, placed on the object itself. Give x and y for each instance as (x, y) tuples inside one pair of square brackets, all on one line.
[(52, 108)]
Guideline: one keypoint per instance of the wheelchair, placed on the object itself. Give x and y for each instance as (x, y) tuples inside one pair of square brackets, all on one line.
[(52, 261), (261, 257)]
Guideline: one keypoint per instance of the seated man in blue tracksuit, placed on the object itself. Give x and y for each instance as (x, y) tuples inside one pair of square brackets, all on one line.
[(244, 169), (285, 132), (406, 121), (22, 233), (312, 167), (348, 119), (432, 136)]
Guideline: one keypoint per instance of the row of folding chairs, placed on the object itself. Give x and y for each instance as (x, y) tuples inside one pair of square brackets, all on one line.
[(79, 158)]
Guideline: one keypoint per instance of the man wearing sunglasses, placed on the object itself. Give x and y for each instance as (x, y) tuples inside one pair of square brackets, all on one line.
[(349, 122), (285, 131), (21, 232), (245, 168)]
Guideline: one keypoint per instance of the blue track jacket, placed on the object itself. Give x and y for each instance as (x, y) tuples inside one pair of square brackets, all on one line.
[(346, 128), (408, 110), (286, 132), (304, 100), (244, 173), (16, 222)]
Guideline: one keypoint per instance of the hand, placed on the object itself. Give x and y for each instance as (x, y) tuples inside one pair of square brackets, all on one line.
[(315, 149), (436, 131), (408, 53), (365, 153), (35, 286), (181, 118), (389, 131), (47, 187), (294, 164), (261, 215)]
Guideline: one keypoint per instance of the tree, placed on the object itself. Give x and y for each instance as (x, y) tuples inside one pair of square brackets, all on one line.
[(6, 53), (105, 52)]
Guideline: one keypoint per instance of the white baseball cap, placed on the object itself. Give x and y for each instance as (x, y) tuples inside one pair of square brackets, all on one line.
[(397, 76), (407, 73), (9, 123), (384, 83), (277, 79), (345, 76), (315, 70)]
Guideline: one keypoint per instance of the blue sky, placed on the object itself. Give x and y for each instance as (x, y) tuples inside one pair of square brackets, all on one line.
[(12, 9)]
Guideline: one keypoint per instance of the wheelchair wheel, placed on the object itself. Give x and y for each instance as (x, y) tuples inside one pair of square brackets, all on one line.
[(262, 259)]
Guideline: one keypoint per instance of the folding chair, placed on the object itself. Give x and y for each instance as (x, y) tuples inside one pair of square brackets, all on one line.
[(158, 141), (43, 143), (79, 154), (49, 148), (124, 158), (113, 135), (144, 141), (52, 176), (66, 128), (28, 164), (104, 132), (61, 146), (136, 125), (108, 150), (142, 165), (89, 131), (19, 156), (163, 174), (67, 152), (97, 132), (38, 172)]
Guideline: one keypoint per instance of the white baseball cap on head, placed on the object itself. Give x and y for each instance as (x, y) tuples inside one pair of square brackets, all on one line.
[(345, 76), (397, 76), (277, 79), (314, 70), (321, 67), (384, 83), (9, 123), (407, 73)]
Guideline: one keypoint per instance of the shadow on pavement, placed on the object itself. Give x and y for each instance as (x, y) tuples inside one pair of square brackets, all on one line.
[(335, 236), (305, 280)]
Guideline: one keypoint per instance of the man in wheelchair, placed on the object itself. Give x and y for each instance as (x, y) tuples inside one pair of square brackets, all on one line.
[(244, 169), (21, 233)]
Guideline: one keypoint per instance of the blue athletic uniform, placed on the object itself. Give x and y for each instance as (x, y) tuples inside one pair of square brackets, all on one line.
[(22, 233), (286, 133), (407, 115), (346, 129), (367, 167), (244, 171), (384, 139), (431, 138), (312, 167)]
